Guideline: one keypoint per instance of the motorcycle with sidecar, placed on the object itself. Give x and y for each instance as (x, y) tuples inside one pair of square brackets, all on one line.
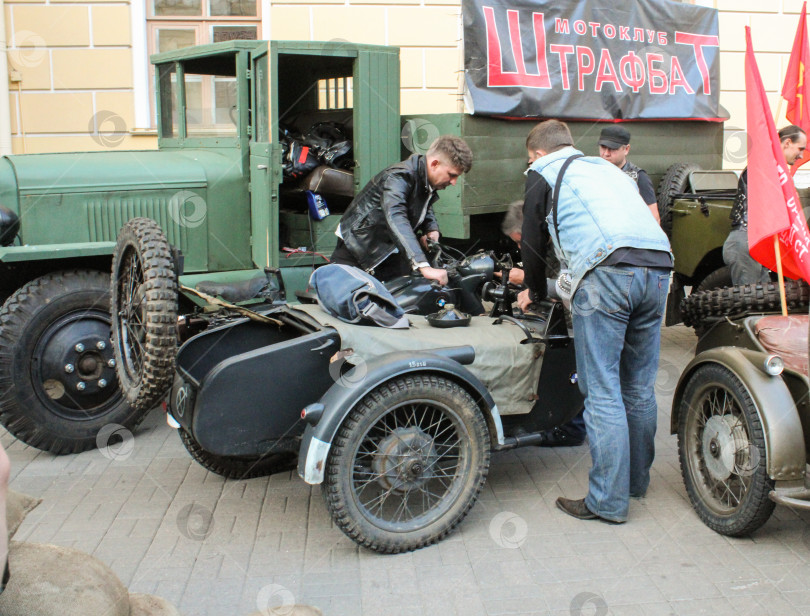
[(741, 411), (397, 426)]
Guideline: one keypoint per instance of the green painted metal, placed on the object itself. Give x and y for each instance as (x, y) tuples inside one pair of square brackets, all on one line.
[(87, 197), (500, 158), (376, 117), (48, 252), (698, 233), (201, 52), (264, 209), (42, 174)]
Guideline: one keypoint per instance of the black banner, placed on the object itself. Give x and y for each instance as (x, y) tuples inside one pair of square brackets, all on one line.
[(590, 59)]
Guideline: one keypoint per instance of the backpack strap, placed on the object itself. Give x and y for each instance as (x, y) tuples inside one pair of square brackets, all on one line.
[(556, 194)]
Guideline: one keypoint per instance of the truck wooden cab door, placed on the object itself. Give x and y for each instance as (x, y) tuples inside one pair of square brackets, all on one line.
[(265, 168), (300, 85)]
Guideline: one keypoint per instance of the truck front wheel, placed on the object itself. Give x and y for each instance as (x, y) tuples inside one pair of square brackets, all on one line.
[(57, 372)]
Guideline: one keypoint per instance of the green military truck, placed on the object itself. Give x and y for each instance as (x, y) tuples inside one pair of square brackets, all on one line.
[(220, 187), (694, 206)]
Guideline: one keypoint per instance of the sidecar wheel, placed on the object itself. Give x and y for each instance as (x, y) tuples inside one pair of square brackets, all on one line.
[(407, 464), (144, 312), (722, 452), (239, 468)]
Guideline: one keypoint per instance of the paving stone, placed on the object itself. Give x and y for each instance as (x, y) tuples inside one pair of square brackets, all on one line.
[(271, 538)]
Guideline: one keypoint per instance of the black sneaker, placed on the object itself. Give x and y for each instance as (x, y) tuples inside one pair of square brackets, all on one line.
[(557, 437)]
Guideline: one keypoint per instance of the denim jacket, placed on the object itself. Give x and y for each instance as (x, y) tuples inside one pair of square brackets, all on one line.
[(600, 210)]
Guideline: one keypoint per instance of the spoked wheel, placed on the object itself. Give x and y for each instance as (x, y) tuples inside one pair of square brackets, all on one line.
[(144, 308), (407, 464), (722, 452)]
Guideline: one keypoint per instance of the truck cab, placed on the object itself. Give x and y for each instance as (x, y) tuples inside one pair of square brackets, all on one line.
[(216, 185)]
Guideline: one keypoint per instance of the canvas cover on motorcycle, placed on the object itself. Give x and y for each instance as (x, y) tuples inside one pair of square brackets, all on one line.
[(509, 370)]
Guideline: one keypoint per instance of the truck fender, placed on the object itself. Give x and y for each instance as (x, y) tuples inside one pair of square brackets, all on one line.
[(327, 415), (775, 407)]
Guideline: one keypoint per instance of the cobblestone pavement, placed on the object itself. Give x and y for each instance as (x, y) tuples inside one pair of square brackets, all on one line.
[(225, 548)]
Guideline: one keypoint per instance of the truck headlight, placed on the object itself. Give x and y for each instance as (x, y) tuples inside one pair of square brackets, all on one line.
[(9, 226), (774, 365)]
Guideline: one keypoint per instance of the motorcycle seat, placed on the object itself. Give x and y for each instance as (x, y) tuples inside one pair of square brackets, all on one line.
[(329, 181), (787, 337), (234, 291)]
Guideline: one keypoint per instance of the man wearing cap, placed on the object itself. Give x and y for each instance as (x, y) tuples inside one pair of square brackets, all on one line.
[(614, 146)]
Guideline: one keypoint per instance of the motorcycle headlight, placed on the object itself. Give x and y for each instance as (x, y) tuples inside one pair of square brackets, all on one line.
[(774, 365)]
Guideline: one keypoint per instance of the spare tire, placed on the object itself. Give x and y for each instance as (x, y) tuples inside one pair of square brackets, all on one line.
[(717, 279), (675, 181), (743, 299), (143, 294)]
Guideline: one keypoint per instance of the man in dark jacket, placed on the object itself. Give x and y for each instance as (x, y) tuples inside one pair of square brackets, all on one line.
[(744, 269), (614, 146), (378, 231), (619, 262)]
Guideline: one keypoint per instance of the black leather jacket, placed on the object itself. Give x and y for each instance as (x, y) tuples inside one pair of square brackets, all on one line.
[(385, 215)]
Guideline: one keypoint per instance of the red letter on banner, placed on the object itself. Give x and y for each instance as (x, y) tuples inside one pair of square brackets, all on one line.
[(582, 68), (497, 77), (676, 77), (607, 73), (658, 78), (635, 76), (698, 42), (562, 51)]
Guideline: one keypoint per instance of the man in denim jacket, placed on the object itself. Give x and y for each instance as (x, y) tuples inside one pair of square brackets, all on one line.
[(619, 260)]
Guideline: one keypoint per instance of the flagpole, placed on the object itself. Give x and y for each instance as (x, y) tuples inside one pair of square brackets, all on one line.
[(777, 251), (778, 254)]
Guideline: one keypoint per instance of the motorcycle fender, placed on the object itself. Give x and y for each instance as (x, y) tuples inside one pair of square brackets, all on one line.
[(336, 404), (776, 409)]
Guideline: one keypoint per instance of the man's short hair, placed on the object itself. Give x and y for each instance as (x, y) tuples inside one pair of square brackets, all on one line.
[(454, 150), (513, 221), (549, 136), (791, 131)]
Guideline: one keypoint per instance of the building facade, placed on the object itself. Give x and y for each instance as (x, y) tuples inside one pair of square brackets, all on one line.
[(80, 78)]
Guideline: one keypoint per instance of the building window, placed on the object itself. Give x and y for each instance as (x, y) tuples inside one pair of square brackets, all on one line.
[(174, 24)]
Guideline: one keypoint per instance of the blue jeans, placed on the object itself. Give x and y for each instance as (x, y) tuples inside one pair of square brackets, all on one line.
[(617, 313)]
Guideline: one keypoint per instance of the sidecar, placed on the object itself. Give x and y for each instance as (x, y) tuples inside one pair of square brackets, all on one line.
[(742, 416), (397, 425)]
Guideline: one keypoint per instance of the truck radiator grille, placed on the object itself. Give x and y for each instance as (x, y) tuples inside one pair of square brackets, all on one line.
[(105, 218)]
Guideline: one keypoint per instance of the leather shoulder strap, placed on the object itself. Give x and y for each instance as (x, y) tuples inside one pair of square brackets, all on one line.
[(556, 195)]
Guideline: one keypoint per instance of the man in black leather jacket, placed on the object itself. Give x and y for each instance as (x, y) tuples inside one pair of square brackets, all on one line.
[(378, 231)]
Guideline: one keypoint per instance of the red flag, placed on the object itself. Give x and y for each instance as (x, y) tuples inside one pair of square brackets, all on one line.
[(796, 89), (773, 204)]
